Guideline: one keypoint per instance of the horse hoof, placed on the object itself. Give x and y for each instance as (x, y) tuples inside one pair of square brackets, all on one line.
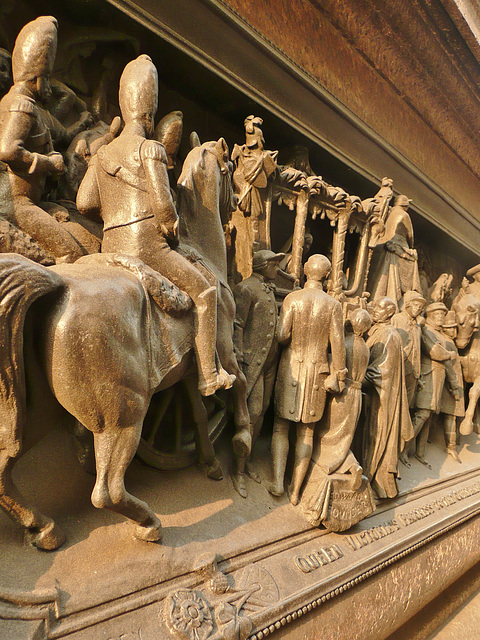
[(239, 484), (49, 538), (152, 533), (466, 427), (242, 443)]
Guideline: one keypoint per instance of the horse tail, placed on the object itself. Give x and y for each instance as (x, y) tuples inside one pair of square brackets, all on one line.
[(21, 283)]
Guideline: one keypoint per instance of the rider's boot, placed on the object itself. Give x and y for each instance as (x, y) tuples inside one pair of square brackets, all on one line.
[(210, 377)]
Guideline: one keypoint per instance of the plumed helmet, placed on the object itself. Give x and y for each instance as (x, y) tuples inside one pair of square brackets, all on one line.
[(138, 93), (317, 267), (35, 49)]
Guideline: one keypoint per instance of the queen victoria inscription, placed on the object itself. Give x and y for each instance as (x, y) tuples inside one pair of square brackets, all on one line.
[(326, 385)]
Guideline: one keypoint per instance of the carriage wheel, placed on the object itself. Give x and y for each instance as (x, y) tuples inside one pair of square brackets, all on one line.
[(168, 437)]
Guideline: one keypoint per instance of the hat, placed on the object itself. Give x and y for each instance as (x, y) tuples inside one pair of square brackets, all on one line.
[(35, 49), (471, 272), (436, 306), (138, 90), (450, 320), (402, 201), (260, 258), (410, 296)]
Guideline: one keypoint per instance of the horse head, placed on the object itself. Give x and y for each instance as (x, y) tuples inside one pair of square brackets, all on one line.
[(206, 198), (467, 314)]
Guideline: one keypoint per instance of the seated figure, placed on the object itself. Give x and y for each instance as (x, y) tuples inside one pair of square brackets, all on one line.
[(126, 186)]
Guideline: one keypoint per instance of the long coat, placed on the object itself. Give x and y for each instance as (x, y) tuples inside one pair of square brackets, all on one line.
[(448, 404), (310, 322), (434, 355), (388, 424), (411, 334), (255, 325)]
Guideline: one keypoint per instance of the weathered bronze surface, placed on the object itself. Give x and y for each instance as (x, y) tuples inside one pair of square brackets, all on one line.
[(230, 310)]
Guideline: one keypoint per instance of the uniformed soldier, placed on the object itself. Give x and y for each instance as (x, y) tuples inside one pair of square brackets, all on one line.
[(310, 324), (435, 355), (410, 331), (25, 142), (126, 186), (255, 344)]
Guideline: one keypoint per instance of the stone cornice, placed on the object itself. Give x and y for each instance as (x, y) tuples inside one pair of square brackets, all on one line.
[(416, 47)]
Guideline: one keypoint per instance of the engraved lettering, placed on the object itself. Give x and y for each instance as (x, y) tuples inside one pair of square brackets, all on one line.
[(320, 558)]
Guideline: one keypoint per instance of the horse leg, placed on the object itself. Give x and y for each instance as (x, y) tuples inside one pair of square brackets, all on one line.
[(466, 426), (114, 450), (206, 452), (42, 532)]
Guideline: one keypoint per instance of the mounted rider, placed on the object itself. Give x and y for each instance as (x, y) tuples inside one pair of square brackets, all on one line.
[(126, 186)]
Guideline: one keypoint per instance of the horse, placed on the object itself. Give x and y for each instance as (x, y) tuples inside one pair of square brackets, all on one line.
[(467, 314), (102, 348)]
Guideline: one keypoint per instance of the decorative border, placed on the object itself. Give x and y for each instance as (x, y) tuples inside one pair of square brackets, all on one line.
[(291, 617)]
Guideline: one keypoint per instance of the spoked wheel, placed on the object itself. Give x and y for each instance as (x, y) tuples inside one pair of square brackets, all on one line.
[(168, 437)]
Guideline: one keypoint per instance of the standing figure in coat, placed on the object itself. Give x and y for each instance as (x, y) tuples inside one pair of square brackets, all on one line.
[(435, 357), (450, 407), (310, 324), (388, 425), (411, 333), (126, 186), (335, 475), (256, 346), (26, 144)]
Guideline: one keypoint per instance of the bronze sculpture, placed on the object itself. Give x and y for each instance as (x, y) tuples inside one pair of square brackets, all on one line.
[(334, 467), (394, 268), (452, 408), (25, 141), (388, 426), (406, 322), (129, 326), (435, 355), (467, 313), (256, 345), (254, 170), (310, 323), (126, 185)]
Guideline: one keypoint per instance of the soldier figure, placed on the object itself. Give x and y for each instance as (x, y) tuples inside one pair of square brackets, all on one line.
[(126, 186), (256, 345), (310, 322), (450, 407), (254, 169), (435, 355), (411, 333), (25, 141)]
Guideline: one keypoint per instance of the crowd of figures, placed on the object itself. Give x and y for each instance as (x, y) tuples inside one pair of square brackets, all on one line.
[(358, 357)]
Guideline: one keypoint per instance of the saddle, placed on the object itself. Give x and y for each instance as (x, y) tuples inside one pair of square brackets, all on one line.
[(165, 294)]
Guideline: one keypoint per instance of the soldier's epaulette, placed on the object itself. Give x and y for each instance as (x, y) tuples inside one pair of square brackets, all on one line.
[(154, 150), (24, 104)]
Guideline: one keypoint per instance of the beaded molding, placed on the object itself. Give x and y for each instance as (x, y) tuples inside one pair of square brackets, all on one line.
[(284, 620)]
